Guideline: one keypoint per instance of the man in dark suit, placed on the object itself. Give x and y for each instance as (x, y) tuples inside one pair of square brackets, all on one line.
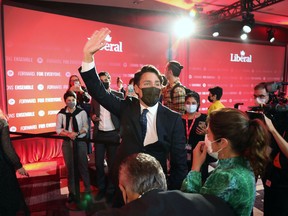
[(143, 186), (164, 135), (107, 128)]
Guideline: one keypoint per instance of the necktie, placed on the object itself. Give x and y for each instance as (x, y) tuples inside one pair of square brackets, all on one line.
[(143, 122)]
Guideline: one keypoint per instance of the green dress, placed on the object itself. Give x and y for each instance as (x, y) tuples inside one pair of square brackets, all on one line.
[(232, 180)]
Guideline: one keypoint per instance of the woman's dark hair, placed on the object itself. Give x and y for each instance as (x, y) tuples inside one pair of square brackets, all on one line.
[(196, 96), (249, 138)]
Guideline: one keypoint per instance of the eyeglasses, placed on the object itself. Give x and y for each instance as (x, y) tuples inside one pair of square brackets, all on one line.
[(260, 96)]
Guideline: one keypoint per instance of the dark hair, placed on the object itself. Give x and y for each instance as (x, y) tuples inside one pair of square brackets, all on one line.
[(131, 81), (143, 173), (145, 69), (261, 85), (196, 96), (218, 91), (175, 67), (248, 138), (69, 94), (104, 73)]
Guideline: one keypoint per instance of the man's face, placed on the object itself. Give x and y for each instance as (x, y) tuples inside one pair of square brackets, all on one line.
[(261, 96), (147, 80), (105, 79)]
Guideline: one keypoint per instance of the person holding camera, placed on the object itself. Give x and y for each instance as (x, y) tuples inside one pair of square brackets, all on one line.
[(275, 180)]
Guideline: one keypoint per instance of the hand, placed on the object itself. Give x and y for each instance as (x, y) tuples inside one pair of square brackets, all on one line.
[(23, 172), (95, 43), (201, 131), (72, 135), (95, 118), (269, 124), (199, 156), (76, 88)]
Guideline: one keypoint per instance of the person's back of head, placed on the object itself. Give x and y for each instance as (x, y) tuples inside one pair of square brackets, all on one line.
[(175, 67), (248, 138), (218, 91), (140, 173)]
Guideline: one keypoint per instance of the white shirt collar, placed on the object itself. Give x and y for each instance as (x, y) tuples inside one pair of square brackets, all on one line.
[(152, 109)]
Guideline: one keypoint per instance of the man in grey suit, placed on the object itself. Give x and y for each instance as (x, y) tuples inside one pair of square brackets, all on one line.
[(143, 186), (107, 128), (163, 135)]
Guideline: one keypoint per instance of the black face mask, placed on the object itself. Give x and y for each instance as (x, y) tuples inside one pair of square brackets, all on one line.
[(209, 99), (106, 85), (150, 96)]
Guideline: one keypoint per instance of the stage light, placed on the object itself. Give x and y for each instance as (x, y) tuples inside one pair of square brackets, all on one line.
[(248, 22), (215, 32), (271, 37), (244, 36), (184, 27)]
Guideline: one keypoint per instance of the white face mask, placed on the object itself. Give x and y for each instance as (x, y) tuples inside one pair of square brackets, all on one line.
[(260, 101), (191, 108), (208, 143)]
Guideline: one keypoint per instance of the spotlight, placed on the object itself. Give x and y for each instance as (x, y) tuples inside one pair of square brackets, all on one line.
[(215, 34), (271, 37), (215, 31), (244, 36), (248, 22)]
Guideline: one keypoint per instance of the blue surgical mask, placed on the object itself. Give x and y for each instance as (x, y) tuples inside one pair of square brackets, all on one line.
[(191, 108)]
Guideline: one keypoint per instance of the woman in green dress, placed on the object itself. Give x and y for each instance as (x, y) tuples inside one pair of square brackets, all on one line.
[(241, 146)]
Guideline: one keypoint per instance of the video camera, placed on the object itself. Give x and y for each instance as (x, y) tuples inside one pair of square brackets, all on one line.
[(278, 102)]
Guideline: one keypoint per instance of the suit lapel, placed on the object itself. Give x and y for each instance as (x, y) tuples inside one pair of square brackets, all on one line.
[(136, 120)]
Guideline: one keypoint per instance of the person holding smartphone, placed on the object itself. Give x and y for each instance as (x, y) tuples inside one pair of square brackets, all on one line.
[(195, 129)]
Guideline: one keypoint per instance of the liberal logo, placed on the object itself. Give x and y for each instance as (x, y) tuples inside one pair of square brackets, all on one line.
[(240, 58)]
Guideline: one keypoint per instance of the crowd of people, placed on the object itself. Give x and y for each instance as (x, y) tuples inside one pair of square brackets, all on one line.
[(158, 145)]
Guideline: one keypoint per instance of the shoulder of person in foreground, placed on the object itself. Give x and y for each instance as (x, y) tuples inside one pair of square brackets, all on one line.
[(172, 203)]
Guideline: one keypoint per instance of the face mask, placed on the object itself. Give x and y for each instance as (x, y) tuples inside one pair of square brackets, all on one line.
[(71, 105), (191, 108), (106, 85), (208, 143), (209, 99), (150, 96), (260, 101)]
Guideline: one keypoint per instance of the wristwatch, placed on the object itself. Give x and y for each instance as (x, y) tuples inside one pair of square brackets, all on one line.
[(78, 133)]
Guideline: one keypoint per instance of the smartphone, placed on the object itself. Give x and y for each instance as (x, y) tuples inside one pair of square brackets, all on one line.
[(202, 124), (130, 88)]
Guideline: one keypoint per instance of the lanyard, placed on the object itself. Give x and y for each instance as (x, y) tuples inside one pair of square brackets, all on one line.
[(188, 130)]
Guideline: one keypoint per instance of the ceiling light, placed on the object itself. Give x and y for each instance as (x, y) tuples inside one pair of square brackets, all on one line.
[(215, 32), (271, 37), (244, 36), (248, 22)]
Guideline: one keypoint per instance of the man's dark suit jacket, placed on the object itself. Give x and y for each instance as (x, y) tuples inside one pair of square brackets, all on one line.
[(170, 130), (95, 109), (174, 203)]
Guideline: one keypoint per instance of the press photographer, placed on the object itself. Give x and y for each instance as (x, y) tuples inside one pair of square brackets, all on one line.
[(272, 102)]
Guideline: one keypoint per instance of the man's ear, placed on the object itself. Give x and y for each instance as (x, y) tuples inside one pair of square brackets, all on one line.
[(136, 89), (124, 194)]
